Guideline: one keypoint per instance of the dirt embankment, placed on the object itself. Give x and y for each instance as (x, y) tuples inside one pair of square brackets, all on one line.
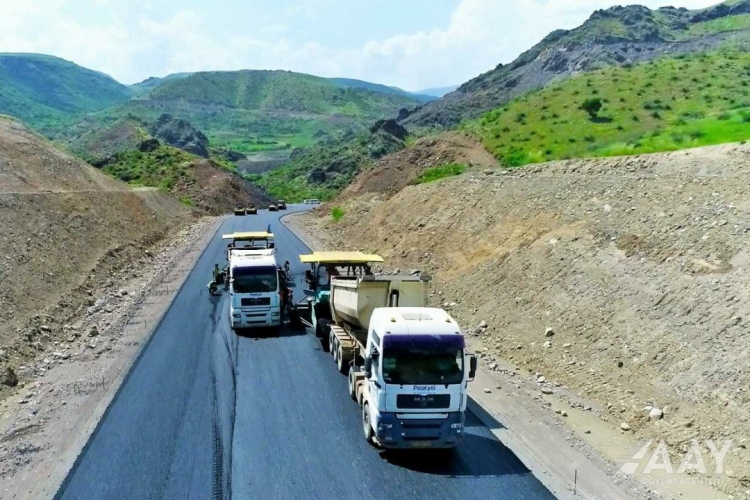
[(216, 191), (394, 172), (69, 232), (623, 281)]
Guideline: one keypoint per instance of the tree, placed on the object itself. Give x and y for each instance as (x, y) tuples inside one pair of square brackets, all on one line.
[(592, 106)]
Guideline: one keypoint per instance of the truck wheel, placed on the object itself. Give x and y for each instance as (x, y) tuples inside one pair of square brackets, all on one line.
[(366, 426), (352, 385), (341, 362), (333, 344)]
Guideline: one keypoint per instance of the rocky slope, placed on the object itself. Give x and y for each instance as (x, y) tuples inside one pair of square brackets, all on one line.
[(623, 282), (173, 155), (68, 229), (616, 36), (180, 134), (323, 170)]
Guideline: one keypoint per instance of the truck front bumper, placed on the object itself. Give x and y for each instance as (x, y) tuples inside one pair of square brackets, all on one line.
[(242, 319), (399, 433)]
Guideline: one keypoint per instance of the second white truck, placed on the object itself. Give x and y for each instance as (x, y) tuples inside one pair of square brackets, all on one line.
[(406, 363), (253, 280)]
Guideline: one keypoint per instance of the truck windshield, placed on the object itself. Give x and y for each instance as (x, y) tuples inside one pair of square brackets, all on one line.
[(423, 359), (260, 279)]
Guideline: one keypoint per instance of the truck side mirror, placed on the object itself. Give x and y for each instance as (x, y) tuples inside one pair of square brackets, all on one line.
[(472, 367), (368, 367), (271, 245)]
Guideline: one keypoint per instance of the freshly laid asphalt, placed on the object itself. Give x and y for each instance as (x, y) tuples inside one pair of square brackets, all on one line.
[(205, 413)]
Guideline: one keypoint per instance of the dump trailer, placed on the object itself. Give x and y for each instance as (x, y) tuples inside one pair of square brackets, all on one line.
[(406, 363)]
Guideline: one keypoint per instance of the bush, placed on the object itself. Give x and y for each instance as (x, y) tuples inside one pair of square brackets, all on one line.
[(441, 172), (516, 159), (337, 213)]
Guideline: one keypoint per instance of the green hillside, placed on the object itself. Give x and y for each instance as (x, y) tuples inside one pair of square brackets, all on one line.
[(45, 91), (251, 111), (324, 170), (662, 105), (613, 37), (281, 90), (98, 144), (383, 89)]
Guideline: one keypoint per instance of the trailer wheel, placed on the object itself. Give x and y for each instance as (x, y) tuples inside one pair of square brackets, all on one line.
[(341, 362), (332, 343), (352, 385), (366, 426)]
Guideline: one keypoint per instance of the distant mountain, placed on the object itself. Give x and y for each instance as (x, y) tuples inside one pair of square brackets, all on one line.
[(153, 82), (251, 111), (616, 36), (438, 92), (277, 90), (41, 89), (384, 89)]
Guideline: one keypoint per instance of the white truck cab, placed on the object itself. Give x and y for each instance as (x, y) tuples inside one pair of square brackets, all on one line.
[(254, 282), (416, 374)]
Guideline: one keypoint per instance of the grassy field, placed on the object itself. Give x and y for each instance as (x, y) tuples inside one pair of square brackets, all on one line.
[(663, 105)]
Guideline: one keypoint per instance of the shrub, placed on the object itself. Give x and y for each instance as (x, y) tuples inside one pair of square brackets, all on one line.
[(592, 106), (441, 172), (337, 213)]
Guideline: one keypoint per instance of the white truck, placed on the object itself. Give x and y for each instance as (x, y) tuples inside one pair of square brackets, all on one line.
[(406, 363), (254, 281)]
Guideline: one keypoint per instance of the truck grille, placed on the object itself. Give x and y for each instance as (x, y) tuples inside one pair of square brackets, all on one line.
[(256, 301), (415, 401)]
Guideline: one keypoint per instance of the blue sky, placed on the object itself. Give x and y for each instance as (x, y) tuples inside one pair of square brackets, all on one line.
[(413, 44)]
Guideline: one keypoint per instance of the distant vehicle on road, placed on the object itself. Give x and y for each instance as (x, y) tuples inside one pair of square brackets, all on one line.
[(239, 210), (251, 210), (281, 205), (272, 207)]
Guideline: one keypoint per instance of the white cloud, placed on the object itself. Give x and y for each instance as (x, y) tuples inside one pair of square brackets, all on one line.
[(131, 45)]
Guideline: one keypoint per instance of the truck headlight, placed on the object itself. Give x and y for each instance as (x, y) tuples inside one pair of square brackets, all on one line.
[(236, 316), (383, 426), (457, 426), (275, 313)]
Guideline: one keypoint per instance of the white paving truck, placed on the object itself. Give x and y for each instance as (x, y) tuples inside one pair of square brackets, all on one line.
[(407, 364)]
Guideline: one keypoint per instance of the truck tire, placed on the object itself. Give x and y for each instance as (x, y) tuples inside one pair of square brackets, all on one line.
[(323, 330), (341, 362), (333, 343), (352, 385), (366, 425)]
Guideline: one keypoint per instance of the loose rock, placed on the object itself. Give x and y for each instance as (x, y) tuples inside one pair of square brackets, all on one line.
[(10, 378), (624, 426), (656, 414), (549, 332)]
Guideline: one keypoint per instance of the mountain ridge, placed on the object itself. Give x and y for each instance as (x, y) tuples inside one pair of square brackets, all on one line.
[(615, 36)]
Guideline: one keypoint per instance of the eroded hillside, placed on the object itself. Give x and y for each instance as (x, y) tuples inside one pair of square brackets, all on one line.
[(637, 265), (69, 231)]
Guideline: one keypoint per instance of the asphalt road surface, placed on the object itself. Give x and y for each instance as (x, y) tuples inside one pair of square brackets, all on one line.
[(205, 413)]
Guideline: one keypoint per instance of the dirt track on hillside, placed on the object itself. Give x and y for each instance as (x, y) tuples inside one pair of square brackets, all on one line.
[(638, 265)]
